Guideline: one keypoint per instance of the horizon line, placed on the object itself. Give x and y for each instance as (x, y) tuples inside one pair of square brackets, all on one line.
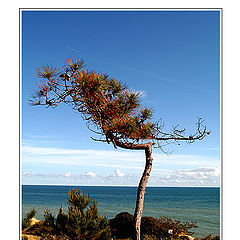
[(118, 186)]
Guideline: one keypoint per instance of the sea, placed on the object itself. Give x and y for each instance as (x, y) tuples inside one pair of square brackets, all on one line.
[(192, 204)]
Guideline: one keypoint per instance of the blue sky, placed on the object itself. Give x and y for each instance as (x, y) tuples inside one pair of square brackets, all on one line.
[(173, 58)]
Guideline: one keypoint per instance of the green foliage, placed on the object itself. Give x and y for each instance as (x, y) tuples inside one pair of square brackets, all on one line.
[(159, 227), (83, 218), (48, 219), (61, 221), (209, 237), (82, 221), (110, 105), (147, 237), (25, 221), (151, 228), (77, 199)]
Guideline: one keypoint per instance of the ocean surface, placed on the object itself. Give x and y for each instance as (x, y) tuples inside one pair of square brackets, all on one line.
[(201, 205)]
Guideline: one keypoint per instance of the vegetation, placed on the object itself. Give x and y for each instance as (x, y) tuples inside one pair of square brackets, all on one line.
[(113, 112), (26, 220), (151, 228), (209, 237), (82, 221)]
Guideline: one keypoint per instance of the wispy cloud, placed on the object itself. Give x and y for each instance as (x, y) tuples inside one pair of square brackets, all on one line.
[(74, 50), (90, 174), (183, 177), (117, 159), (119, 173), (175, 82), (198, 176), (127, 167)]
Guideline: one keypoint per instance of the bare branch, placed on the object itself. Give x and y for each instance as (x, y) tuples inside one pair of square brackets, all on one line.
[(178, 134), (98, 140)]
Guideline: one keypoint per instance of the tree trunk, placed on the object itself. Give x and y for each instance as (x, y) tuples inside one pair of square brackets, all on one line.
[(143, 182), (141, 191)]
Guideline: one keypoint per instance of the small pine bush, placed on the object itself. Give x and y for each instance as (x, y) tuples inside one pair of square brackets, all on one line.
[(61, 222), (83, 219), (25, 221), (48, 219), (82, 222)]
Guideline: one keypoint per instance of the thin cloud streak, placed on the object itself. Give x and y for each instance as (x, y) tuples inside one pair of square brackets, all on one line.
[(74, 50), (125, 159)]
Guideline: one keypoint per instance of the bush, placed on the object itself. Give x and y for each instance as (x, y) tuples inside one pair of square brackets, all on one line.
[(48, 219), (209, 237), (25, 221), (159, 227), (151, 228), (122, 225), (82, 221), (147, 237)]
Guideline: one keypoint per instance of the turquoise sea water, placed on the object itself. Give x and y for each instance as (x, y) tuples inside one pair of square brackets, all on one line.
[(201, 205)]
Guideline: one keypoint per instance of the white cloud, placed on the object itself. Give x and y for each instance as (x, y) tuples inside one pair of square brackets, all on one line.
[(91, 174), (209, 176), (68, 174), (204, 169), (26, 174), (181, 177), (200, 172), (119, 173)]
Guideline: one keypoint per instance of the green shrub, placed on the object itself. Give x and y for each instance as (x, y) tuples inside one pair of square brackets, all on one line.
[(61, 222), (159, 227), (147, 237), (25, 221), (82, 221), (151, 228), (48, 219), (209, 237)]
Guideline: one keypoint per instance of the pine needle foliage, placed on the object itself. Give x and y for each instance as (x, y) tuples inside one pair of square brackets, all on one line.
[(26, 220), (84, 219), (82, 222), (111, 109), (48, 218)]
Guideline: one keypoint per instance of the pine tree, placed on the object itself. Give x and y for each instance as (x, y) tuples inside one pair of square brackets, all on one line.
[(113, 112), (83, 219)]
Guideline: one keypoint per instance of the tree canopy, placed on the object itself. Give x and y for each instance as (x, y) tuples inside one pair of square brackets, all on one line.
[(111, 109)]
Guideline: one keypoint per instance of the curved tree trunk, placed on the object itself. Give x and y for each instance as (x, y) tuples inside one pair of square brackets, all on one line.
[(141, 191), (143, 181)]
